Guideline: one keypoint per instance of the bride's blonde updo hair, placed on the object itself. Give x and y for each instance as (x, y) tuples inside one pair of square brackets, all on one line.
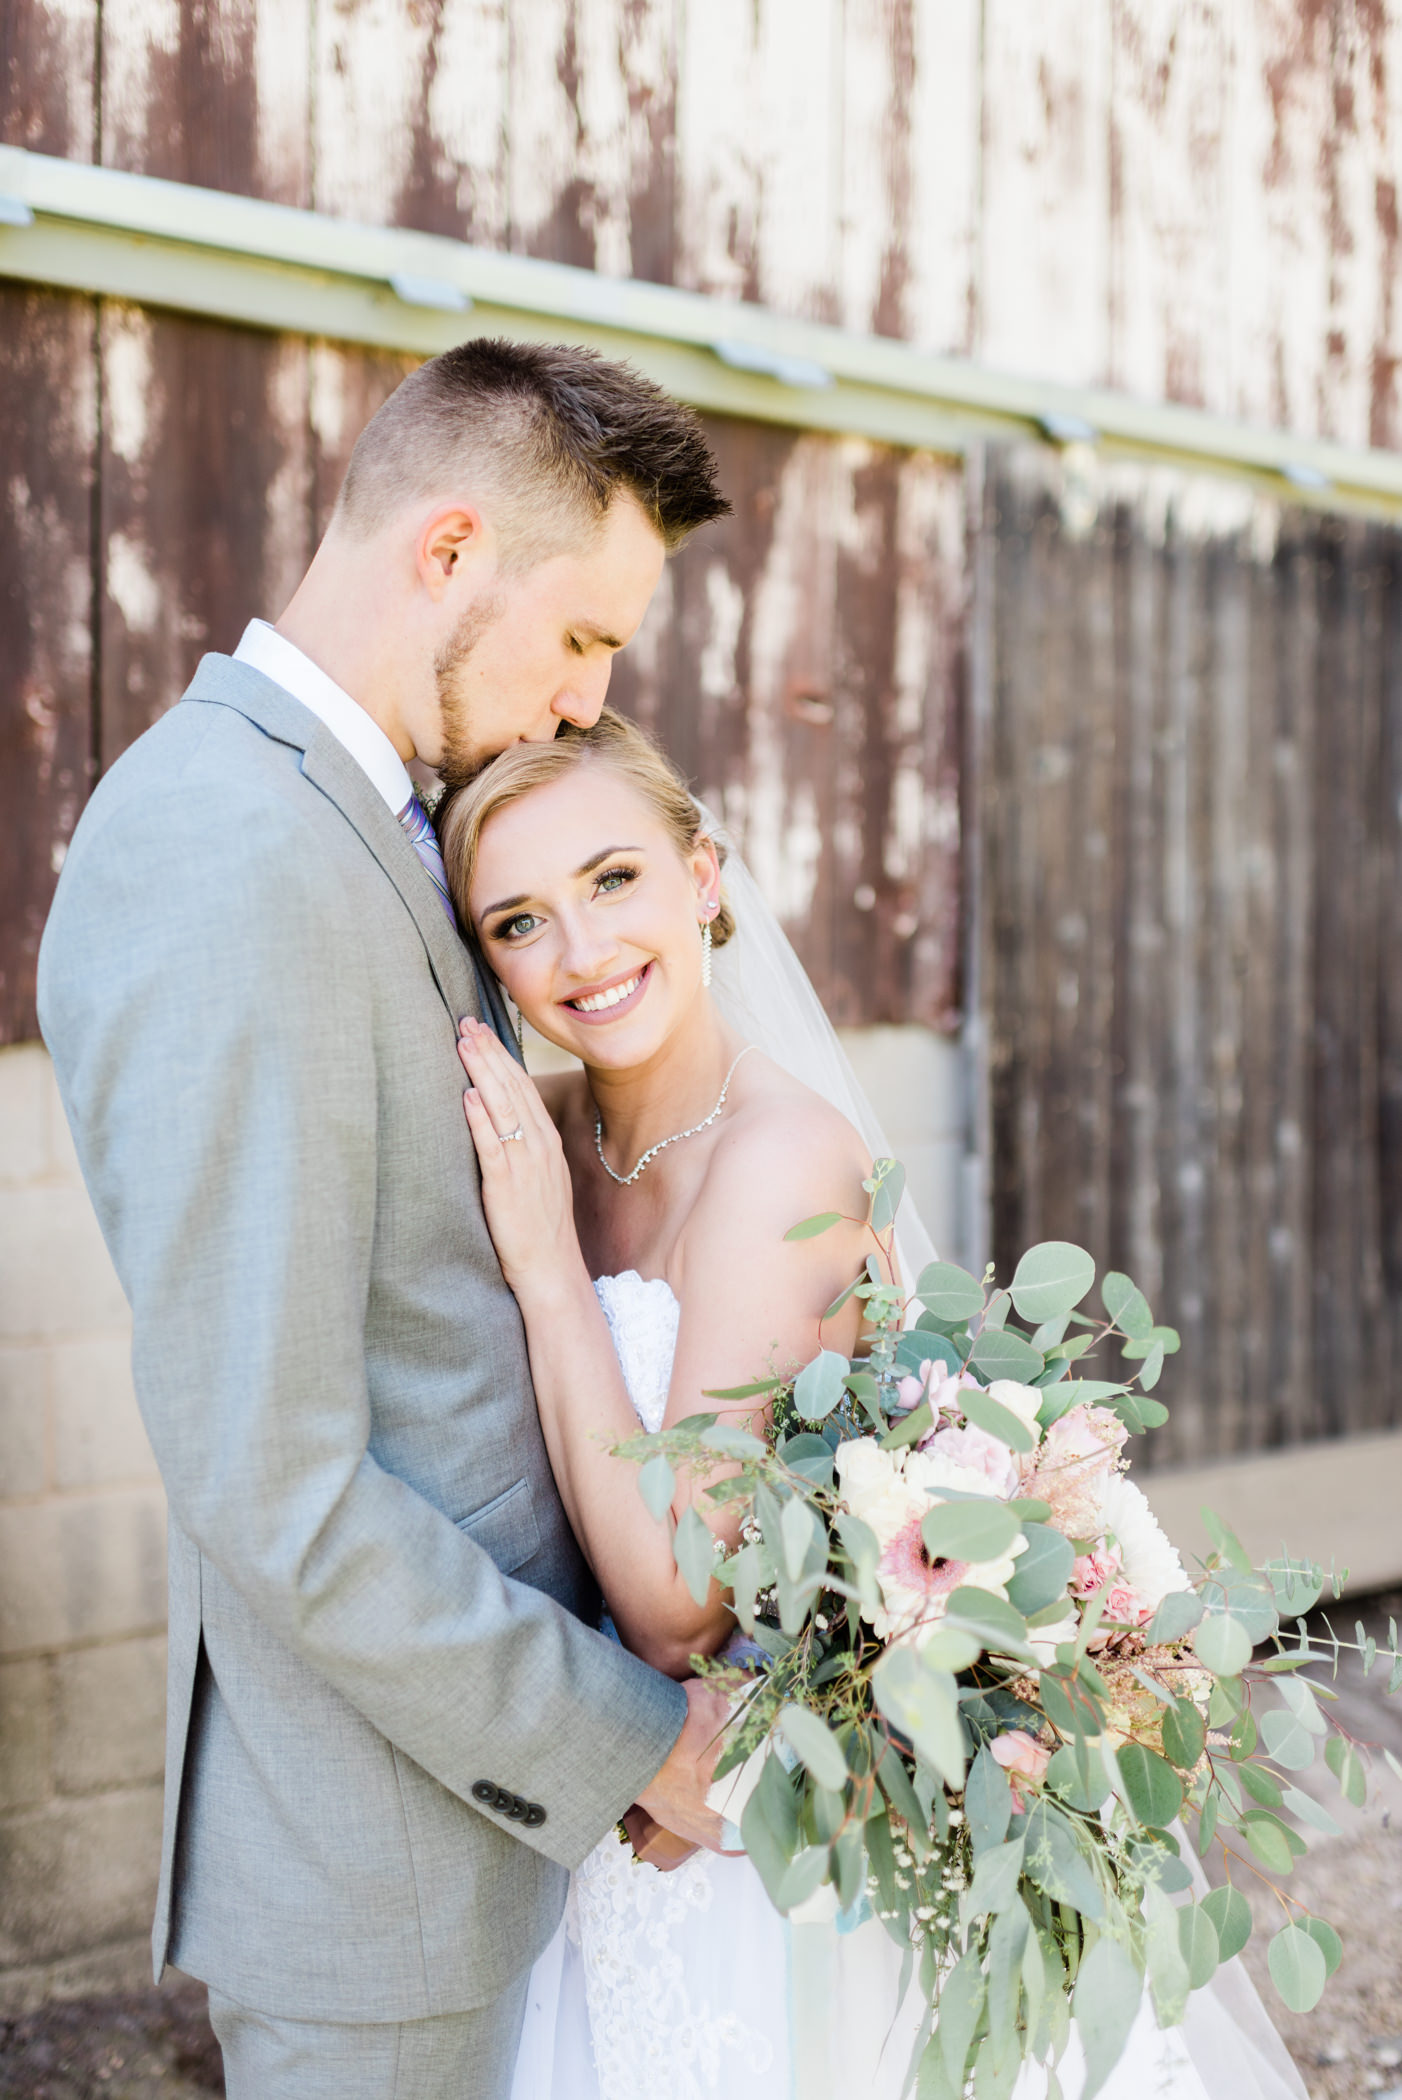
[(614, 743)]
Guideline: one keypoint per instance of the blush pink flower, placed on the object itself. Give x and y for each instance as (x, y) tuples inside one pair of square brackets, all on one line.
[(980, 1453), (1022, 1757), (1094, 1570), (943, 1387), (1071, 1466)]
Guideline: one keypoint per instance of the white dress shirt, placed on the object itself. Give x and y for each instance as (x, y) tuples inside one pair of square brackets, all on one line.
[(283, 662)]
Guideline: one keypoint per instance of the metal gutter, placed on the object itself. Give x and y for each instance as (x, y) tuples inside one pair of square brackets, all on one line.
[(231, 258)]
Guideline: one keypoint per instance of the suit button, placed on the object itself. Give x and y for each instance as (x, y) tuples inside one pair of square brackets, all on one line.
[(517, 1810), (535, 1815), (501, 1800), (483, 1790)]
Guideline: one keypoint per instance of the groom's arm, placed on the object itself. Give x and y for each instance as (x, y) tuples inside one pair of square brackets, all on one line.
[(209, 1014)]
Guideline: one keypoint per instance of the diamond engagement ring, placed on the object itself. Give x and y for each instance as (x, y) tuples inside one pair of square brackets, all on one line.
[(506, 1136)]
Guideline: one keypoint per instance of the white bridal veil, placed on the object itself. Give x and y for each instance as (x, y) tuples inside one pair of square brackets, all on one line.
[(764, 992)]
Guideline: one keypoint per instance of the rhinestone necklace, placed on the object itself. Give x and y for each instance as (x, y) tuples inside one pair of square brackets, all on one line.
[(626, 1180)]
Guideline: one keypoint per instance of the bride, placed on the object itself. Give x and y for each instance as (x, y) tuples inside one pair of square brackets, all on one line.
[(639, 1207)]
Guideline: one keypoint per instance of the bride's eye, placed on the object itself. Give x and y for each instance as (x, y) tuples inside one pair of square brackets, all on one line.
[(614, 879), (515, 928)]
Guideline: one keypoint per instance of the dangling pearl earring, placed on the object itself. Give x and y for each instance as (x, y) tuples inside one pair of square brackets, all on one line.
[(706, 952)]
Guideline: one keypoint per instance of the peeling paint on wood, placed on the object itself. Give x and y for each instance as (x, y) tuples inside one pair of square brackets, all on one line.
[(1189, 896), (47, 430)]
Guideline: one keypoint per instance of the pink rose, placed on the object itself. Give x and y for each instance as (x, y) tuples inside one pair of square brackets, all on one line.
[(943, 1387), (980, 1452), (1022, 1757), (1094, 1570)]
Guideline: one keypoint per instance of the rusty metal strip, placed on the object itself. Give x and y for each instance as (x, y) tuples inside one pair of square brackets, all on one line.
[(269, 266)]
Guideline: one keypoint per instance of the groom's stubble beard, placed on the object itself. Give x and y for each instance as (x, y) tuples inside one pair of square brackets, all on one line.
[(462, 760)]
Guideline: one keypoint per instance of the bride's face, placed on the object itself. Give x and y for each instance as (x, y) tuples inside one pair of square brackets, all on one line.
[(592, 918)]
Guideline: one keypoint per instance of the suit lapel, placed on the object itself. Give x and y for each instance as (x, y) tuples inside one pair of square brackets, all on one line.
[(329, 767)]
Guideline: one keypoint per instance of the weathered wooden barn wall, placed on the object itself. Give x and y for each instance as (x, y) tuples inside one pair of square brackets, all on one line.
[(1188, 767), (1194, 199)]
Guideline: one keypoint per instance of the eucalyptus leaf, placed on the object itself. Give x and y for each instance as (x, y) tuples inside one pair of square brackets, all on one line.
[(798, 1530), (809, 1228), (1231, 1916), (1007, 1948), (1184, 1734), (1108, 1991), (1223, 1645), (1225, 1540), (813, 1741), (1298, 1968), (1307, 1810), (803, 1877), (1298, 1694), (887, 1198), (998, 1624), (694, 1550), (819, 1385), (657, 1484), (1043, 1571), (743, 1573), (1054, 1862), (1126, 1305), (949, 1292), (998, 1354), (996, 1874), (1051, 1279), (769, 1826), (733, 1442), (1288, 1740), (1347, 1767), (1152, 1787), (1177, 1615), (980, 1530), (924, 1705), (960, 2003), (1269, 1839), (988, 1800), (1327, 1941), (1197, 1936), (989, 1414)]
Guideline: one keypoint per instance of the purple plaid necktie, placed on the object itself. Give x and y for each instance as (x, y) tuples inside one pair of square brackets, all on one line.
[(414, 818)]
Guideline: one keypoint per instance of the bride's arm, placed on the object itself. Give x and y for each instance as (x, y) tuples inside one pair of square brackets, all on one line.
[(748, 1299)]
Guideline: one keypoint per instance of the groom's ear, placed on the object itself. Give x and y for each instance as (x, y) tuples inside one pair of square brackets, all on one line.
[(451, 536)]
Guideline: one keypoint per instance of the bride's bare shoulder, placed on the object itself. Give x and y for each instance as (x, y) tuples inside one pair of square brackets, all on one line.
[(785, 1146)]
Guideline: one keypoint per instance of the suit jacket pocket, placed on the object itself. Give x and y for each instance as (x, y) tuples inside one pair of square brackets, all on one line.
[(505, 1527)]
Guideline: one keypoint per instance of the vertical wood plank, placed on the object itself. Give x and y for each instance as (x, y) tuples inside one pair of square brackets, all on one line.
[(1044, 234), (409, 121), (48, 52), (205, 498), (1170, 115), (47, 434)]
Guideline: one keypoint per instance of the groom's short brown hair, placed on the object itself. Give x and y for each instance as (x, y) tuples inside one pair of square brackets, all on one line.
[(551, 433)]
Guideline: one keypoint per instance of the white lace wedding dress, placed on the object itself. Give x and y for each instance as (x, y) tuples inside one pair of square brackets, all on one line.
[(690, 1984)]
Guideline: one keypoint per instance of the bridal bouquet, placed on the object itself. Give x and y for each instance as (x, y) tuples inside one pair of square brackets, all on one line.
[(985, 1690)]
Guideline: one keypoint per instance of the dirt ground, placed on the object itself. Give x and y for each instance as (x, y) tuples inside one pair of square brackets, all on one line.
[(148, 2045), (157, 2045)]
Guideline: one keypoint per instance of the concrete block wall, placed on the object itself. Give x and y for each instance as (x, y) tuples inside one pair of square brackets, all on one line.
[(82, 1580), (82, 1531)]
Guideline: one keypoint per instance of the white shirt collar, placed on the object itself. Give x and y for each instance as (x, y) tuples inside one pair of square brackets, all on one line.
[(282, 661)]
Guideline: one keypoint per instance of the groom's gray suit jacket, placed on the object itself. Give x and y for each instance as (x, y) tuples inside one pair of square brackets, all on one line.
[(390, 1731)]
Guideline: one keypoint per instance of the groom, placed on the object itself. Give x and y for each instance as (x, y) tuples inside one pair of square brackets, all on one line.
[(392, 1727)]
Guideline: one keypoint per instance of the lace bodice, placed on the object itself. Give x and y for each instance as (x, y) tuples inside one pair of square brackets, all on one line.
[(660, 2028), (643, 1317)]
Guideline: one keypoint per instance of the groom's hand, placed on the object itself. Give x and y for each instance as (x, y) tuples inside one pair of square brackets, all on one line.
[(677, 1797)]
